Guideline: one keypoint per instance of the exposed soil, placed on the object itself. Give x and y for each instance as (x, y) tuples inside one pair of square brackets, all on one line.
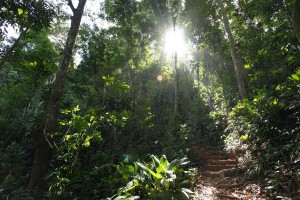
[(216, 179)]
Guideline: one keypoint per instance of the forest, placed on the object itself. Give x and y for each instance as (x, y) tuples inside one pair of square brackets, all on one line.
[(149, 99)]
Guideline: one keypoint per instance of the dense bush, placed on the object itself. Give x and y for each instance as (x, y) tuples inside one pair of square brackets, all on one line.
[(270, 126)]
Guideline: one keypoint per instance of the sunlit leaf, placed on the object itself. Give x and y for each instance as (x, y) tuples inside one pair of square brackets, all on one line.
[(296, 77), (141, 165), (163, 164), (247, 66), (20, 11), (147, 168), (244, 137), (187, 192), (66, 111), (278, 87), (92, 118), (86, 143), (76, 109), (63, 123), (131, 185), (67, 137)]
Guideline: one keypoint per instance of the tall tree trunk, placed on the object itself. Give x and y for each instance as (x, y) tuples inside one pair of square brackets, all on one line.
[(296, 19), (176, 96), (41, 136), (237, 61)]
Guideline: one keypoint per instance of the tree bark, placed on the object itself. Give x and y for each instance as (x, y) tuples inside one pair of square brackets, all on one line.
[(296, 19), (42, 136), (237, 60)]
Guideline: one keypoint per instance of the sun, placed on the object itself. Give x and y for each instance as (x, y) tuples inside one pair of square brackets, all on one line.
[(175, 41)]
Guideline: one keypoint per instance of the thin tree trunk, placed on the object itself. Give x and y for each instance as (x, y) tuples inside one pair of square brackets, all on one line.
[(296, 19), (176, 97), (41, 136), (237, 61)]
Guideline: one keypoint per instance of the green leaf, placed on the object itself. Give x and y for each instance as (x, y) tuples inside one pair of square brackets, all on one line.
[(275, 102), (20, 11), (163, 164), (141, 165), (66, 111), (131, 185), (155, 159), (92, 118), (184, 161), (112, 78), (76, 109), (163, 161), (247, 66), (296, 77), (67, 137), (244, 137), (147, 169), (86, 143), (63, 123), (278, 88), (174, 164)]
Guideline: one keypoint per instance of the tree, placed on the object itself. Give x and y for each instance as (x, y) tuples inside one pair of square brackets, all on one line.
[(211, 58), (237, 60), (259, 27), (175, 9), (134, 29), (296, 18), (42, 135)]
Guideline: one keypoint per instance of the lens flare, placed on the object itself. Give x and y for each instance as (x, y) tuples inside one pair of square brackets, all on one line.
[(160, 77)]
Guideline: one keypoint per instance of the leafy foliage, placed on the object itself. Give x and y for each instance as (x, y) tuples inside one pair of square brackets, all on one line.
[(159, 179), (80, 132), (38, 14), (270, 126)]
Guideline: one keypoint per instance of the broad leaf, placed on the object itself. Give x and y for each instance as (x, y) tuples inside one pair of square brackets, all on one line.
[(174, 164)]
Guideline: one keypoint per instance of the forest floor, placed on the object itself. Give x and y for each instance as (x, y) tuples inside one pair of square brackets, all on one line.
[(216, 179)]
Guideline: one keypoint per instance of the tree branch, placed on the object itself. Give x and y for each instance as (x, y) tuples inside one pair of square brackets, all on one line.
[(70, 3)]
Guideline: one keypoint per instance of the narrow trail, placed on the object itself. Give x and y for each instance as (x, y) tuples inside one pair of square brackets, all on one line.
[(215, 178)]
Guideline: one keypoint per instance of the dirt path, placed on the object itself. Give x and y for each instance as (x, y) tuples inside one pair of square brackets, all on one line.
[(215, 179)]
